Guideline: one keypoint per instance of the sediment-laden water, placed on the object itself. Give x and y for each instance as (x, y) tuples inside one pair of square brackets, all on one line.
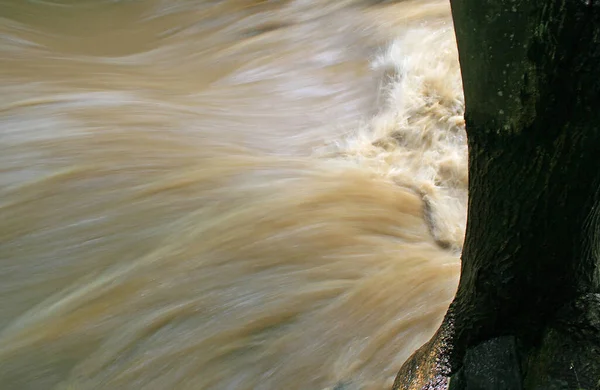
[(227, 194)]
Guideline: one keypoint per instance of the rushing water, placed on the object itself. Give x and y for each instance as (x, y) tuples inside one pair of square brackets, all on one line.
[(233, 194)]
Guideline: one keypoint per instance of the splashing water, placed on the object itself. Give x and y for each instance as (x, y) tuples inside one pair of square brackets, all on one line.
[(226, 194)]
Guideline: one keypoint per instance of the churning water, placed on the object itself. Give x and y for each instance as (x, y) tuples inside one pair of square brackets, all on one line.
[(233, 194)]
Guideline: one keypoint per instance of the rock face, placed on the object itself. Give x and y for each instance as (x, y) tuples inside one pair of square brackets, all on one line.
[(492, 365), (570, 351), (526, 313)]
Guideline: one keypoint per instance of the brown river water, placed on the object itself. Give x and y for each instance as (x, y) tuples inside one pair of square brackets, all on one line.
[(228, 194)]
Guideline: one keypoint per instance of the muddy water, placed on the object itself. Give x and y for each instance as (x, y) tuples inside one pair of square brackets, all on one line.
[(225, 194)]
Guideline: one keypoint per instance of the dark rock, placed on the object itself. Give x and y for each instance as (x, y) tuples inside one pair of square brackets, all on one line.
[(492, 365)]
